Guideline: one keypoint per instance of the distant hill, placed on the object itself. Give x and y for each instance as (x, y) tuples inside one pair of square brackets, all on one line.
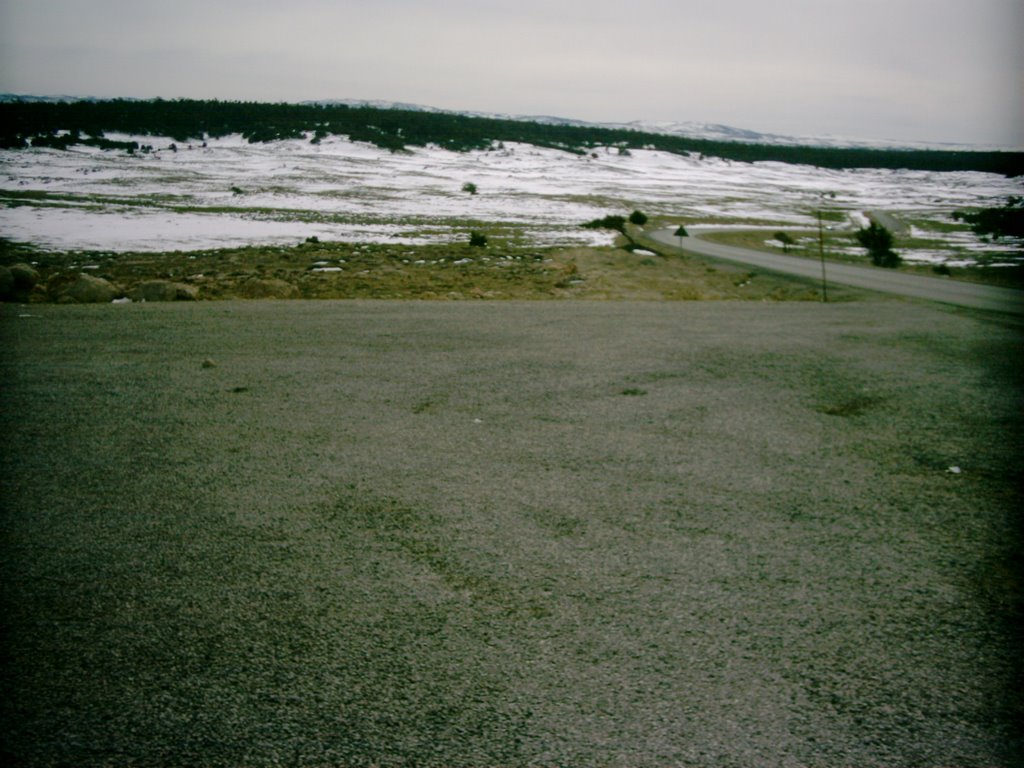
[(709, 131), (37, 121), (690, 129)]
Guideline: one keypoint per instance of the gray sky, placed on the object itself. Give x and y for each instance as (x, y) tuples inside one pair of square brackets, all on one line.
[(933, 70)]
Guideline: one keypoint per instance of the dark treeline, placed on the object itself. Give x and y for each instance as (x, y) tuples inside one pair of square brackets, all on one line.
[(24, 124)]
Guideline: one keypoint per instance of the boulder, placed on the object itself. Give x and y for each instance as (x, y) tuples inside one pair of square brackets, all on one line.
[(163, 290), (25, 277), (6, 284), (86, 289), (187, 292), (267, 288)]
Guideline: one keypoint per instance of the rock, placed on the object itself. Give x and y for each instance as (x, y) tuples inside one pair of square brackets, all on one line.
[(25, 277), (154, 290), (163, 290), (86, 289), (17, 282), (272, 288), (187, 292), (208, 363), (6, 284)]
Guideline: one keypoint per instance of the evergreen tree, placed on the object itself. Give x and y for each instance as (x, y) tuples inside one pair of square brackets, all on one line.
[(878, 240), (786, 241), (1007, 221)]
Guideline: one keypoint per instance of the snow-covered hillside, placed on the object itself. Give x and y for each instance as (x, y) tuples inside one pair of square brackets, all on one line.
[(230, 192)]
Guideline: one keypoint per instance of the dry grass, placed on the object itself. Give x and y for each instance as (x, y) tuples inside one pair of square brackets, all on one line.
[(445, 272)]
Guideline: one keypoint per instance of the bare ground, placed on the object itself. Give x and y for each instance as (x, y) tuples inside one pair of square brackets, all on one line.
[(512, 534)]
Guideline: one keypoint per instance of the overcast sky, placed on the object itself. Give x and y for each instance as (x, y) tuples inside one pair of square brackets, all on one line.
[(932, 70)]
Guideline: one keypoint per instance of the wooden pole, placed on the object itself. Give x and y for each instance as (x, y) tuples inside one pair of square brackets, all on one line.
[(821, 252)]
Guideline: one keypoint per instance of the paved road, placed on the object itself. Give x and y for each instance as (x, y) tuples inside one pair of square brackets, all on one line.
[(914, 286)]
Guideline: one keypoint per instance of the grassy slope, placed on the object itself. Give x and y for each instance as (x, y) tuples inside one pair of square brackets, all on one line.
[(457, 271), (379, 271)]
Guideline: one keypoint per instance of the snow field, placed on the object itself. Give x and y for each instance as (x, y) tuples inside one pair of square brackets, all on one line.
[(230, 193)]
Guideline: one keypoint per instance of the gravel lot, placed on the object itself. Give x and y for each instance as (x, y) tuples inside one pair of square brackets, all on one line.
[(513, 534)]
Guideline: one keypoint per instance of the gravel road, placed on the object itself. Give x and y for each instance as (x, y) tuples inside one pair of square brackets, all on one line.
[(889, 221), (510, 534), (955, 292)]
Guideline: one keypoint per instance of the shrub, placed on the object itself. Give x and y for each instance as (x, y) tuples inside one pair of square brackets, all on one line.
[(477, 240), (469, 187), (618, 223), (638, 218)]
